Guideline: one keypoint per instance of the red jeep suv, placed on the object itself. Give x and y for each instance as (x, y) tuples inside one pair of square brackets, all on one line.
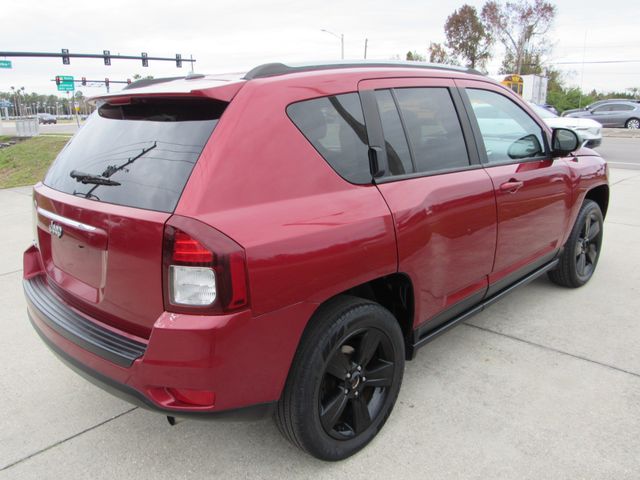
[(282, 241)]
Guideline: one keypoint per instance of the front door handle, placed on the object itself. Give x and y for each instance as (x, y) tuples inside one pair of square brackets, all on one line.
[(512, 186)]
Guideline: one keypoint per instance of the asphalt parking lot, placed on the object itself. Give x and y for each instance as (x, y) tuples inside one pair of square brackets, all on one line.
[(543, 385)]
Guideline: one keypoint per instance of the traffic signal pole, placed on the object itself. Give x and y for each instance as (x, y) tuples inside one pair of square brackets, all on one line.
[(74, 106), (106, 56)]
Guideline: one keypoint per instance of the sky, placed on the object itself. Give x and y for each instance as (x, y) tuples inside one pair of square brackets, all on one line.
[(234, 36)]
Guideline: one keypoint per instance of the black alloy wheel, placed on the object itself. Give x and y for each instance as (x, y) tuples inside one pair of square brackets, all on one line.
[(344, 379), (588, 246), (582, 250), (356, 383)]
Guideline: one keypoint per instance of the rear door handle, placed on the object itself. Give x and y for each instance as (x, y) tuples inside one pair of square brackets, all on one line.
[(512, 186)]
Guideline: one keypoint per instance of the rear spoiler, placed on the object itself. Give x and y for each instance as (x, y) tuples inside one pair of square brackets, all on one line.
[(219, 87)]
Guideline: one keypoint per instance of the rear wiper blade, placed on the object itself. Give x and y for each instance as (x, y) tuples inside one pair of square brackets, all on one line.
[(93, 179)]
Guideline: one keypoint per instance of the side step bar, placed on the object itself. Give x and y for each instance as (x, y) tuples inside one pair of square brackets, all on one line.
[(436, 332)]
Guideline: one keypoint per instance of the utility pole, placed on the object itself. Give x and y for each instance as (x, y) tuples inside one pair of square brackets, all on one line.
[(366, 41)]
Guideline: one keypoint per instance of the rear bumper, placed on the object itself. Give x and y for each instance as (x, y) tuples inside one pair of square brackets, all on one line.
[(240, 362), (133, 396)]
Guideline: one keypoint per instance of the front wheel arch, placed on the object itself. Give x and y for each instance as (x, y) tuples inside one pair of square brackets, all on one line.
[(600, 195)]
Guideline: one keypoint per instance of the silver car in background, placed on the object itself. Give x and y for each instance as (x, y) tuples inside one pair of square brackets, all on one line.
[(589, 131), (618, 114)]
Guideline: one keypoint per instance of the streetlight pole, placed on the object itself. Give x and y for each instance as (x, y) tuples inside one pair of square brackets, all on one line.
[(341, 37)]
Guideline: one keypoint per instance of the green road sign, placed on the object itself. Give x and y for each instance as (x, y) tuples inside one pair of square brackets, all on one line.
[(5, 64), (65, 83)]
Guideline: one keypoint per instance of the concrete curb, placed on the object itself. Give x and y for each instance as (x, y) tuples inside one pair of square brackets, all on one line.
[(620, 132)]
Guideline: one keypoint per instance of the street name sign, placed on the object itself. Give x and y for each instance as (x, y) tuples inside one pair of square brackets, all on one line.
[(66, 83)]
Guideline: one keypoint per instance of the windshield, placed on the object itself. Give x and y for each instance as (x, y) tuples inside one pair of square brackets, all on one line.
[(138, 155), (541, 111)]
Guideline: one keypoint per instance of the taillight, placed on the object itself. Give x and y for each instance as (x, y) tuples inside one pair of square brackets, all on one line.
[(190, 250), (204, 270)]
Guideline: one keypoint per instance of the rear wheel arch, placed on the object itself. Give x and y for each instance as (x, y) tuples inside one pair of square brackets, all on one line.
[(632, 123), (394, 292)]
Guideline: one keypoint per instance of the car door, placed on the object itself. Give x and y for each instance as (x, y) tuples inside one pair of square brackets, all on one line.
[(533, 190), (440, 197), (620, 113), (604, 114)]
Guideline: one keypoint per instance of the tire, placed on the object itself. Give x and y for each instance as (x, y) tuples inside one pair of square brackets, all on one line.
[(329, 408), (582, 250), (632, 124)]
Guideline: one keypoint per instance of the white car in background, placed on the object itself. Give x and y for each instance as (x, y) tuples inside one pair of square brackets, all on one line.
[(589, 131)]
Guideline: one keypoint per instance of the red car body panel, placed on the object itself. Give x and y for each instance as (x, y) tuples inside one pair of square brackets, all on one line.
[(531, 218), (201, 353), (308, 235), (446, 229), (114, 275), (313, 233)]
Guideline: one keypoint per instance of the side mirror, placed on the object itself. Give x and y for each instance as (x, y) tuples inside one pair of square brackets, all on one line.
[(563, 142)]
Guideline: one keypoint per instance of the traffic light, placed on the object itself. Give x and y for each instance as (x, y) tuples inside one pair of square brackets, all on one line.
[(107, 57), (84, 81), (106, 82), (58, 80), (178, 60), (145, 61), (66, 60)]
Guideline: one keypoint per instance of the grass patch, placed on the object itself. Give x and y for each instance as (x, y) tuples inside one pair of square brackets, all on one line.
[(26, 162)]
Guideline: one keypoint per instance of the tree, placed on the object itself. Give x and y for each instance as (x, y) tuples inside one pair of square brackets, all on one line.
[(438, 54), (467, 37), (520, 26), (415, 56)]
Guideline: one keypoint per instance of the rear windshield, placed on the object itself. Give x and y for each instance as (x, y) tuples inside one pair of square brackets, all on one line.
[(137, 155)]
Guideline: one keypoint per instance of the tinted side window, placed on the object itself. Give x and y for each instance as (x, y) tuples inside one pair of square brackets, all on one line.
[(398, 155), (433, 129), (620, 107), (508, 132), (335, 127)]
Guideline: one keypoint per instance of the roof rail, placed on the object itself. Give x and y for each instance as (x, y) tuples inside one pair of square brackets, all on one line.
[(273, 69)]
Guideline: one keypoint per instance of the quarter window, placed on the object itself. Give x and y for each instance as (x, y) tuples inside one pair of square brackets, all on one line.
[(335, 127), (508, 132)]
